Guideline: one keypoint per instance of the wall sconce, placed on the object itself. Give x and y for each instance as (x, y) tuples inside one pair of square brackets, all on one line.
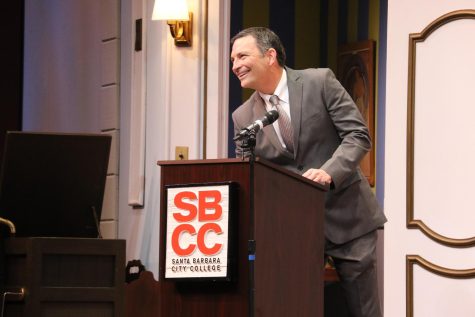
[(178, 19)]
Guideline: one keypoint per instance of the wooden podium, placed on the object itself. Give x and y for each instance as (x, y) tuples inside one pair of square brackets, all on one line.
[(64, 277), (289, 244)]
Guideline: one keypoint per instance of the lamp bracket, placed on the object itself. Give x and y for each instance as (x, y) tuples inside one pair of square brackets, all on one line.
[(182, 31)]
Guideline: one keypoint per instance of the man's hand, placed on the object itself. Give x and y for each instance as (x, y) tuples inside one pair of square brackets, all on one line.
[(318, 175)]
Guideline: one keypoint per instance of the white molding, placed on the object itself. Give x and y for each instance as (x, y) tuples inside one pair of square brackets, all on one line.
[(218, 78), (137, 114)]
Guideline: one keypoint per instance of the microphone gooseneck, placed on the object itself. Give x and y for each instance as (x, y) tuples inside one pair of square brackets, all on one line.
[(257, 125)]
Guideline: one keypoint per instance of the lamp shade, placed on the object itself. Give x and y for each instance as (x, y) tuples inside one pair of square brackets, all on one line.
[(170, 10)]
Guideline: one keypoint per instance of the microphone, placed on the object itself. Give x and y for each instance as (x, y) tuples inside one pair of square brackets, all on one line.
[(257, 125)]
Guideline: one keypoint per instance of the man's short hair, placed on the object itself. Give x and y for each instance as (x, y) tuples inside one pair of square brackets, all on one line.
[(265, 39)]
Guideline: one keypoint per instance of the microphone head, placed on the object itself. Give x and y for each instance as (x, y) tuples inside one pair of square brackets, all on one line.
[(271, 116), (255, 127)]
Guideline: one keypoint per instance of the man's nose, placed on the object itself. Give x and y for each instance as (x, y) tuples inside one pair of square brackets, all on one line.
[(235, 65)]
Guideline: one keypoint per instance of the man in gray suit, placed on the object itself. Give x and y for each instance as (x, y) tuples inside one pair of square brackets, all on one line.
[(321, 135)]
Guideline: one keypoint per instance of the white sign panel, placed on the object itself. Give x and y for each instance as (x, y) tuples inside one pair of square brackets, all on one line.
[(197, 238)]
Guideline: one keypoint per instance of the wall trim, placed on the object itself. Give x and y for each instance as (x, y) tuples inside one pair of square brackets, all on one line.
[(411, 260), (415, 38)]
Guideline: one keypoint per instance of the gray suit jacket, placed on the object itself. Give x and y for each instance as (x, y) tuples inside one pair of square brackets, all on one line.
[(330, 134)]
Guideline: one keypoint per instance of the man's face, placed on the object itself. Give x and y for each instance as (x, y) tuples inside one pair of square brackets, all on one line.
[(249, 64)]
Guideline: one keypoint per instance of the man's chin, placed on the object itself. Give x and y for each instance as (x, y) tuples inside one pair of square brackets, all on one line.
[(245, 84)]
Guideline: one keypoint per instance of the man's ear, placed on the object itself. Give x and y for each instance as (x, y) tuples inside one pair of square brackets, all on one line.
[(272, 54)]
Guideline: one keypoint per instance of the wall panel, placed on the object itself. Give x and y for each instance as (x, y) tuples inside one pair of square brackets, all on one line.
[(426, 160)]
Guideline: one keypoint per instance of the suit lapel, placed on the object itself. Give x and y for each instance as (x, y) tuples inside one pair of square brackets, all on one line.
[(295, 100)]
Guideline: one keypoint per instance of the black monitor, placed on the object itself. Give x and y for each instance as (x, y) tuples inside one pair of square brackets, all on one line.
[(52, 184)]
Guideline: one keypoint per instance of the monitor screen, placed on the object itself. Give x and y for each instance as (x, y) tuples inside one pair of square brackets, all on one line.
[(52, 184)]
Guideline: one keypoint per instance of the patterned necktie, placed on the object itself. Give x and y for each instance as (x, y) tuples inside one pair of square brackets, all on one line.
[(285, 126)]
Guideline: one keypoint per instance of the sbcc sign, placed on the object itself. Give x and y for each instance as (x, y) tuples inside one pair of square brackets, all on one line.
[(198, 231)]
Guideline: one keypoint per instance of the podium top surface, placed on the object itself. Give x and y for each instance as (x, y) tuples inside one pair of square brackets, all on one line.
[(231, 161)]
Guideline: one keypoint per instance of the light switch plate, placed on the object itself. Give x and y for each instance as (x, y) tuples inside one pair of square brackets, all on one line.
[(181, 153)]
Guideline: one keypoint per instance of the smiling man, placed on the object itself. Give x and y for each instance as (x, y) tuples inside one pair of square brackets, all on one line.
[(321, 135)]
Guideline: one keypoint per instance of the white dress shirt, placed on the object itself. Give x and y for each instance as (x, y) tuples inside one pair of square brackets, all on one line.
[(281, 91)]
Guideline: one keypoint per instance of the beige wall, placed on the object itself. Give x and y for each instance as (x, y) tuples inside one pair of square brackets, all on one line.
[(444, 139), (71, 78), (177, 92)]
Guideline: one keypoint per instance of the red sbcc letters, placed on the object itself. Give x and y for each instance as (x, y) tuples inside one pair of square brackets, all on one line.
[(208, 200)]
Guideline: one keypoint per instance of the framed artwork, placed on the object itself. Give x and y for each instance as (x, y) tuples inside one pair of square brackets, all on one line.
[(356, 73)]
